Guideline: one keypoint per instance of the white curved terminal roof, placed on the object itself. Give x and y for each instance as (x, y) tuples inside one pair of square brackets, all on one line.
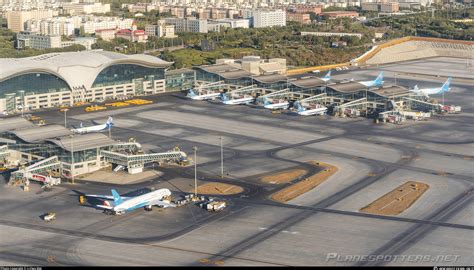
[(76, 68)]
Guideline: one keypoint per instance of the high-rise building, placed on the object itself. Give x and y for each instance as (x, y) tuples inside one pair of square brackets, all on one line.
[(37, 41), (268, 18), (160, 30), (16, 19), (85, 8), (188, 25)]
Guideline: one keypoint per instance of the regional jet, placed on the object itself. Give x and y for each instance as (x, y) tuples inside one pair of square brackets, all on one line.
[(375, 83), (121, 205), (275, 106), (237, 101), (192, 95), (319, 110), (97, 128), (433, 91)]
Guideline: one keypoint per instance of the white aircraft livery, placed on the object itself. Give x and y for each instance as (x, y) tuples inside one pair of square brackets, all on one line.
[(321, 110), (375, 83), (275, 106), (97, 128), (121, 205), (192, 95), (433, 91), (238, 101)]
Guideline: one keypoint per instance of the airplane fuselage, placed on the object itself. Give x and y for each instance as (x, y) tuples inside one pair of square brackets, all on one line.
[(428, 91), (141, 201), (276, 106), (97, 128), (245, 100), (317, 111), (205, 97)]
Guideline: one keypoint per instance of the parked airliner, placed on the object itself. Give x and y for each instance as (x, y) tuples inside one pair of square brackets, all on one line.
[(375, 83), (275, 106), (121, 205), (97, 128), (321, 110), (237, 101), (433, 91), (192, 95)]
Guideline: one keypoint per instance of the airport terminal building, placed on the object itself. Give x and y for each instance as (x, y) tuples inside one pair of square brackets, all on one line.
[(56, 79)]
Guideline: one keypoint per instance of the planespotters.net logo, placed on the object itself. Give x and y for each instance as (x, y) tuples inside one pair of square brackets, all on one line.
[(413, 258)]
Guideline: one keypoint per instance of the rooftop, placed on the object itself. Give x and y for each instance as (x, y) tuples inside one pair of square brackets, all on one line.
[(83, 142), (310, 82), (391, 91), (271, 78), (235, 74), (349, 87), (40, 133), (77, 69), (14, 123)]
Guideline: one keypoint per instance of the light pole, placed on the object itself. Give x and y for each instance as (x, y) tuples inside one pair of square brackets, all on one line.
[(65, 117), (222, 159), (72, 158), (195, 171)]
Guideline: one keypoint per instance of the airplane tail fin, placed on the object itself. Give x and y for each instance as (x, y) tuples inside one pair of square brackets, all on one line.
[(224, 97), (445, 87), (80, 125), (109, 122), (379, 80), (117, 199), (416, 87), (191, 93), (266, 102), (298, 107), (328, 75)]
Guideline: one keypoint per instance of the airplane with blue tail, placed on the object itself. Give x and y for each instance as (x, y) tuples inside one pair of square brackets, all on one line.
[(375, 83), (121, 205), (305, 112), (327, 77), (245, 100), (433, 91), (275, 106), (193, 95), (97, 128)]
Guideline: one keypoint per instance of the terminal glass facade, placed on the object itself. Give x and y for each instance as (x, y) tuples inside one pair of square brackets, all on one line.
[(126, 73), (33, 83), (177, 80)]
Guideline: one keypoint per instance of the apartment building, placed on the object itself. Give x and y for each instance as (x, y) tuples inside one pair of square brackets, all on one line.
[(37, 41), (192, 25), (16, 19), (268, 18), (298, 17)]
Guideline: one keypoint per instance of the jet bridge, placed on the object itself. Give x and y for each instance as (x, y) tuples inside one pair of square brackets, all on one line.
[(419, 105), (135, 162), (36, 172), (280, 94), (4, 152), (210, 87), (352, 108), (253, 90), (321, 98)]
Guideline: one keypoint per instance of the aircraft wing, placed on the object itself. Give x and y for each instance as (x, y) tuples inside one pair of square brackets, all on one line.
[(103, 206), (161, 203)]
